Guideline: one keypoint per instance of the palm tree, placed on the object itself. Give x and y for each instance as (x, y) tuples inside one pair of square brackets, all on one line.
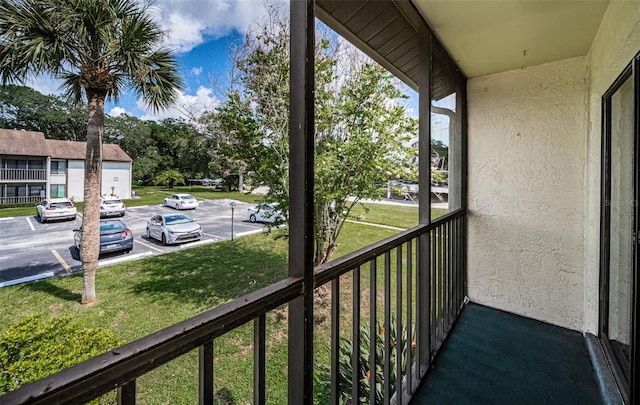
[(98, 48)]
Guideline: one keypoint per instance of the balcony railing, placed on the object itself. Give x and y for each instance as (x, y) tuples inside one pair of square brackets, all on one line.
[(24, 199), (23, 174), (416, 279)]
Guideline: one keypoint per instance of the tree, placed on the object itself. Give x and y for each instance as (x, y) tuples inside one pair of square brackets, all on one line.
[(361, 124), (24, 108), (169, 178), (97, 48)]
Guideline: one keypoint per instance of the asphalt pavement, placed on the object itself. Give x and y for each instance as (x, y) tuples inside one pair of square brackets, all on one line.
[(31, 250)]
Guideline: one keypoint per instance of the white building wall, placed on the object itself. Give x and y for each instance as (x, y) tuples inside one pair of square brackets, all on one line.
[(114, 174), (118, 176), (75, 179), (527, 142), (615, 44)]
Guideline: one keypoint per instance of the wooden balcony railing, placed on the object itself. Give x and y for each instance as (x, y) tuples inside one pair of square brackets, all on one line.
[(416, 279), (23, 174)]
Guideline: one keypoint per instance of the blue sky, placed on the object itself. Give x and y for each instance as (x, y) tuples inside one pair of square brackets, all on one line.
[(200, 32)]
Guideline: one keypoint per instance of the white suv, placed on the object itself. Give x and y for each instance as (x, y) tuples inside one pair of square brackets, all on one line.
[(55, 208), (111, 206)]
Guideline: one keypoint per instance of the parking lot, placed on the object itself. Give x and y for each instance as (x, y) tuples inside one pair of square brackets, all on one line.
[(30, 250)]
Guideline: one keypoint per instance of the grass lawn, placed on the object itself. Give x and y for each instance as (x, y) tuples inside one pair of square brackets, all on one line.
[(138, 298)]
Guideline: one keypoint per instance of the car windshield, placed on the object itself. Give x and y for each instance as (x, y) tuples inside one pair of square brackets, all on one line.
[(112, 226), (61, 204), (177, 219)]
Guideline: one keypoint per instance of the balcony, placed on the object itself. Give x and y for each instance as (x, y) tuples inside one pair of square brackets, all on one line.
[(10, 175), (396, 293)]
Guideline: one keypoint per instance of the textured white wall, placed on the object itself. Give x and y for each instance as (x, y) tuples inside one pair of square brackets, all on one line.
[(110, 170), (615, 44), (527, 143)]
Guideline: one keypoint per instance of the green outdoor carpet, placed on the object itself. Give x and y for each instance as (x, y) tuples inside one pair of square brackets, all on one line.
[(493, 357)]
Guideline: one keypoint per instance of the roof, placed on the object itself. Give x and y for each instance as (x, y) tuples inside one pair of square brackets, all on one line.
[(29, 143)]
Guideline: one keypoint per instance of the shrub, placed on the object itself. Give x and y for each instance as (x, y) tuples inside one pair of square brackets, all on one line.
[(364, 373), (35, 348)]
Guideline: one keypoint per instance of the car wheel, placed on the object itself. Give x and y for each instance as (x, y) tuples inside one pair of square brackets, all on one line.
[(165, 203), (148, 234), (37, 214), (122, 214), (164, 239), (176, 207), (252, 218)]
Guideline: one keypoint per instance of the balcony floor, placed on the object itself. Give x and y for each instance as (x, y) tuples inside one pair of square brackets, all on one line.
[(493, 357)]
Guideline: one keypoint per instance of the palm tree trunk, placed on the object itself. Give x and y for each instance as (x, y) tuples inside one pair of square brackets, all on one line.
[(90, 243)]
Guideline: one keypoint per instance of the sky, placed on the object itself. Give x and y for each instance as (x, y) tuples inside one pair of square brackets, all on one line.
[(199, 32)]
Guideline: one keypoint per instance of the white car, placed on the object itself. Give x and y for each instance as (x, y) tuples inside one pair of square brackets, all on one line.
[(173, 228), (111, 206), (265, 213), (55, 208), (181, 202)]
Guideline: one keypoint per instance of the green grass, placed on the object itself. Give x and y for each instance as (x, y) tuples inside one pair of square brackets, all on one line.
[(138, 298), (392, 215)]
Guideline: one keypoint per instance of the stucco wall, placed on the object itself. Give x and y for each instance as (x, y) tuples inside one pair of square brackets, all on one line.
[(527, 141), (615, 44), (118, 176), (110, 171)]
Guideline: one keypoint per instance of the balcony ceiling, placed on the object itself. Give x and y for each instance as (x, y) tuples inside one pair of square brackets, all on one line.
[(486, 37)]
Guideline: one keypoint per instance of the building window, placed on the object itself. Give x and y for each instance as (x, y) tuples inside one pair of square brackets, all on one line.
[(16, 191), (15, 164), (36, 164), (58, 167), (35, 191), (57, 190)]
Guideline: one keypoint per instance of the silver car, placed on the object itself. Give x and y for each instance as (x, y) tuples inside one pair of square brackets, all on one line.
[(111, 206), (173, 228), (55, 208), (265, 213), (181, 202)]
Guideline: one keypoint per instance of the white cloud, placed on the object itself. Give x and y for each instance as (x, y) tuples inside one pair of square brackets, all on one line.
[(197, 71), (45, 84), (117, 111), (187, 106), (190, 22)]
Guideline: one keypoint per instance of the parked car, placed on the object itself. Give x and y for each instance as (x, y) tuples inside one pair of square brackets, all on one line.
[(55, 208), (181, 201), (114, 236), (111, 206), (173, 228), (265, 213)]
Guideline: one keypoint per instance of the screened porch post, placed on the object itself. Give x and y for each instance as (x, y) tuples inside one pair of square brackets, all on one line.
[(301, 150)]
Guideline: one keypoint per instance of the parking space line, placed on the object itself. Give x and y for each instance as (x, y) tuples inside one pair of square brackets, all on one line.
[(30, 224), (148, 246), (212, 235), (6, 219), (61, 260), (196, 243)]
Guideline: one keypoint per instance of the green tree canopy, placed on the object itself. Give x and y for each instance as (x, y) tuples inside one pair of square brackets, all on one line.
[(362, 124), (24, 108)]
